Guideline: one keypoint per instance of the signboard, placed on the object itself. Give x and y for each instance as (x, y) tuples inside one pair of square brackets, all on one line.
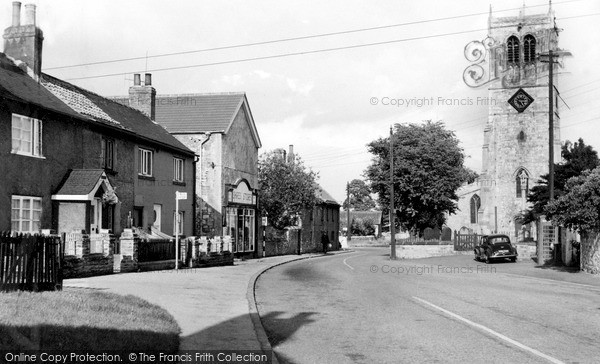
[(181, 195), (520, 100), (242, 195), (265, 222)]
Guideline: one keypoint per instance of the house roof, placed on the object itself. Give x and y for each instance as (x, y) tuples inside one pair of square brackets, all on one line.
[(81, 182), (110, 112), (16, 84), (374, 215), (200, 113), (325, 197)]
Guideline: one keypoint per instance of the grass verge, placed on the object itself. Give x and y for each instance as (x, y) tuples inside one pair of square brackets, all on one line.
[(84, 320)]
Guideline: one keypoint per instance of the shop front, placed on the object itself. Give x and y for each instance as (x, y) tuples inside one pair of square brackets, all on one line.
[(240, 218)]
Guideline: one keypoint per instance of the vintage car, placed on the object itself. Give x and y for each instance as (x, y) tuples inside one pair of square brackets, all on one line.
[(495, 247)]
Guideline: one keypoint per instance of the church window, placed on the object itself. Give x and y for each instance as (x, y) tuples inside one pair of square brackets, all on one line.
[(475, 205), (521, 137), (529, 48), (522, 183), (512, 49)]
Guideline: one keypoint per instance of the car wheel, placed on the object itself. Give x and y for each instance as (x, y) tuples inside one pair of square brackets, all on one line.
[(513, 259), (487, 259)]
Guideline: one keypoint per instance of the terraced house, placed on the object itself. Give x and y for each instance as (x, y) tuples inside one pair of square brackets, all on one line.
[(72, 160)]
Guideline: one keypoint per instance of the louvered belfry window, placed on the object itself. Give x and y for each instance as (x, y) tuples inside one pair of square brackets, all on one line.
[(512, 50), (529, 48)]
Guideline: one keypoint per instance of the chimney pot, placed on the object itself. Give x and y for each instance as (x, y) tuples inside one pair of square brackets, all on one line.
[(136, 79), (29, 14), (148, 79), (16, 14)]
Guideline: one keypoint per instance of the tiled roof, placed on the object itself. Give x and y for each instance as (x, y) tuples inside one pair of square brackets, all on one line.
[(78, 102), (198, 112), (325, 197), (106, 111), (17, 85), (80, 182), (374, 215)]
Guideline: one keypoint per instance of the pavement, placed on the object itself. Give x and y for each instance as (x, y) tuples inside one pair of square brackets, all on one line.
[(214, 307)]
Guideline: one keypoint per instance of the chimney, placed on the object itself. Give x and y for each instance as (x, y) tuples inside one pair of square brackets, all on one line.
[(24, 42), (143, 97), (291, 155)]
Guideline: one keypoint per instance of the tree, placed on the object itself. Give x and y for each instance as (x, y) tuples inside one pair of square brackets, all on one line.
[(577, 158), (428, 170), (579, 209), (360, 196), (286, 188)]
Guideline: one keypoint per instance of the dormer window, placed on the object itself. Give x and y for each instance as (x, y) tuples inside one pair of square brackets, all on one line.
[(512, 50), (529, 48)]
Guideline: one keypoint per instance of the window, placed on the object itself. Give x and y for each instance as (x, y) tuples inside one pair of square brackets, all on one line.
[(475, 205), (529, 48), (177, 169), (178, 220), (240, 225), (512, 50), (108, 154), (145, 162), (26, 214), (26, 136), (522, 183)]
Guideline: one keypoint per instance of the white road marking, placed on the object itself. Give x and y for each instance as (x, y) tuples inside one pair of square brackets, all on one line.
[(549, 280), (348, 265), (492, 332)]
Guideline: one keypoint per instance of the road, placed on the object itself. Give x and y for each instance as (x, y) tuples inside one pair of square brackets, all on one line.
[(363, 308)]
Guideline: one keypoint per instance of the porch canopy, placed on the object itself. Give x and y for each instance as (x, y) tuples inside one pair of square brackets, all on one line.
[(83, 185)]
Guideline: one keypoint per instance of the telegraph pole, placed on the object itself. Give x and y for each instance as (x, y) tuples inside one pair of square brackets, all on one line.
[(392, 209), (348, 230)]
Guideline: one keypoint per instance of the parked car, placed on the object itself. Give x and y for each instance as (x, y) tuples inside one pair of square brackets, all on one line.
[(495, 247)]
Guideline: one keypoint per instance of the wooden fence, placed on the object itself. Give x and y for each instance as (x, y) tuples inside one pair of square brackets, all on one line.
[(465, 242), (30, 262), (156, 250)]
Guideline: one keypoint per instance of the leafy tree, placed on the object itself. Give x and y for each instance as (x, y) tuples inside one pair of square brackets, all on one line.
[(363, 226), (360, 196), (577, 157), (428, 169), (286, 188), (579, 209)]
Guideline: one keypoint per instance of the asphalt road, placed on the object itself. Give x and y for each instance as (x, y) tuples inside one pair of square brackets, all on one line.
[(363, 308)]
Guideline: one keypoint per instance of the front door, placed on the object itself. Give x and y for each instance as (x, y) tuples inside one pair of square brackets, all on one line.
[(157, 217), (96, 216)]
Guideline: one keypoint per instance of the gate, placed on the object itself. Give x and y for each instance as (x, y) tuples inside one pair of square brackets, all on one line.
[(465, 242), (30, 262)]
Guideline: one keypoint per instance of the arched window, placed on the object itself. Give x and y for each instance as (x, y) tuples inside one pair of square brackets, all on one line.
[(475, 205), (512, 49), (522, 183), (521, 137), (529, 48)]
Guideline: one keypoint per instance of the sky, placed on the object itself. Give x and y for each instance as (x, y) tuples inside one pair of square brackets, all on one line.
[(328, 104)]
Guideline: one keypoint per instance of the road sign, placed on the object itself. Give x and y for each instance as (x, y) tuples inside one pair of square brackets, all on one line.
[(520, 100), (264, 221), (181, 195)]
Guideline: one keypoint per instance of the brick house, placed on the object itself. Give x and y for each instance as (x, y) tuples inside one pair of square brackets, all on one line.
[(74, 160), (220, 129)]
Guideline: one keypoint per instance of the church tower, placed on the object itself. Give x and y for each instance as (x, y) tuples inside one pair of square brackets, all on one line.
[(516, 136)]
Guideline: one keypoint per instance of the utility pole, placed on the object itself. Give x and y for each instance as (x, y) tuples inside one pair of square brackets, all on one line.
[(392, 209), (348, 229)]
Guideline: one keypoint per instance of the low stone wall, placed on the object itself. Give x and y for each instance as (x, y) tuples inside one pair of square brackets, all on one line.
[(214, 260), (590, 253), (526, 251), (87, 266), (88, 255), (427, 251)]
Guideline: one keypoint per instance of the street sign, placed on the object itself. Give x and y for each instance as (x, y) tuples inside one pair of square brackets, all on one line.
[(520, 100), (181, 195), (264, 221)]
